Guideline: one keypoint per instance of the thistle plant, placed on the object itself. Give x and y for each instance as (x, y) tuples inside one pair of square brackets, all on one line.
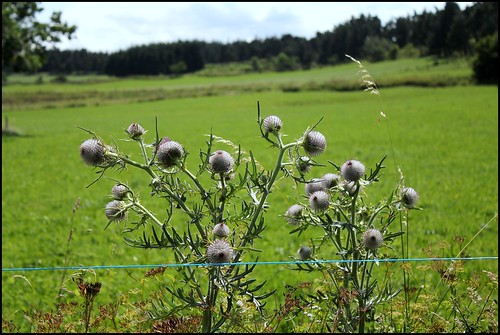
[(355, 232), (222, 206), (225, 201)]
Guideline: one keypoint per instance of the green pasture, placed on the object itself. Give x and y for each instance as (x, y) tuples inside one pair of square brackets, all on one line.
[(443, 139), (22, 93)]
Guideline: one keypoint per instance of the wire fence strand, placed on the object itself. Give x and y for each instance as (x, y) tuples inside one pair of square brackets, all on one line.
[(291, 262)]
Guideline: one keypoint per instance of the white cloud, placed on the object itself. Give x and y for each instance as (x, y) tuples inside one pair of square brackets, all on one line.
[(110, 26)]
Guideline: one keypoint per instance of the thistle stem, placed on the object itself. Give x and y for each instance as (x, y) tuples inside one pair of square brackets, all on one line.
[(266, 192)]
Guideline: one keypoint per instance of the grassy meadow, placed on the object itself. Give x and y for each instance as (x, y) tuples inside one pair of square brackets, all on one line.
[(24, 93), (444, 139)]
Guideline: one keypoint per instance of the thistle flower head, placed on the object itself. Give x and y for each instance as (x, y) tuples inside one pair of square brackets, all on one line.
[(110, 148), (304, 252), (119, 191), (164, 140), (304, 164), (352, 170), (314, 185), (314, 143), (372, 239), (220, 251), (135, 131), (115, 210), (293, 214), (221, 161), (92, 152), (330, 180), (272, 124), (349, 186), (319, 201), (169, 153), (221, 230), (159, 143), (409, 197)]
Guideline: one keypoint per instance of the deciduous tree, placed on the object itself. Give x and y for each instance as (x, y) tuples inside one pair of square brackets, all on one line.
[(25, 39)]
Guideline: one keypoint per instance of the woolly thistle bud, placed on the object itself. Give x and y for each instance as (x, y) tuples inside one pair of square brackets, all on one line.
[(272, 124), (110, 148), (119, 191), (319, 201), (92, 152), (293, 214), (330, 180), (350, 186), (135, 131), (115, 210), (409, 197), (314, 143), (164, 140), (219, 251), (314, 185), (221, 230), (169, 153), (304, 164), (372, 239), (157, 145), (221, 161), (352, 170), (304, 253)]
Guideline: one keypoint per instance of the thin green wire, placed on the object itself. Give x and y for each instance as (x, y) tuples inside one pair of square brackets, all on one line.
[(387, 260)]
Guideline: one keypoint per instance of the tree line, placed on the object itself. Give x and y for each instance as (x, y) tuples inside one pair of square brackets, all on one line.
[(443, 33)]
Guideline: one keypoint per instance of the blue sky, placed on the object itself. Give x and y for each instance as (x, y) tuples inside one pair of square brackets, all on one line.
[(113, 26)]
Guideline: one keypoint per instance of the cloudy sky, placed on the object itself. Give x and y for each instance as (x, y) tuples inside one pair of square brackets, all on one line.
[(113, 26)]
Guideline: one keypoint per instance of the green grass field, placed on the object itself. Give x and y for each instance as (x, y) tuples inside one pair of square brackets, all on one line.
[(444, 140), (23, 93)]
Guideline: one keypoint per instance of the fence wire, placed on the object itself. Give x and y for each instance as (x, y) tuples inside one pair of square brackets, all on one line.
[(291, 262)]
